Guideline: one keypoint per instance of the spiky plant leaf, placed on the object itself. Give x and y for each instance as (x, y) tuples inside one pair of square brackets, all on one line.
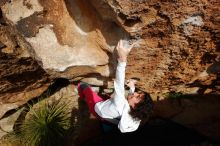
[(46, 125)]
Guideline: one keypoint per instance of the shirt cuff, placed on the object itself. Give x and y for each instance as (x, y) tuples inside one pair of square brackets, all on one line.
[(122, 64), (131, 90)]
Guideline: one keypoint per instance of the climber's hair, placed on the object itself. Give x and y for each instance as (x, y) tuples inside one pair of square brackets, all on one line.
[(144, 109)]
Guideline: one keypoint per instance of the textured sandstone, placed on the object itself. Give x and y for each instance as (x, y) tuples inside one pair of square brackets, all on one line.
[(7, 124), (40, 40), (58, 33), (178, 40), (21, 78)]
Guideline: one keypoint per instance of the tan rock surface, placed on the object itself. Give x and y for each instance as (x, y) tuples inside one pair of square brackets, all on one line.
[(21, 77), (178, 40), (178, 45)]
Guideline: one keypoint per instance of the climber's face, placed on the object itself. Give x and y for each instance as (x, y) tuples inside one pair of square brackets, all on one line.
[(135, 98)]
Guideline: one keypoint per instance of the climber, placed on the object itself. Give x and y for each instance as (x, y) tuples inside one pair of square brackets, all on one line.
[(128, 112)]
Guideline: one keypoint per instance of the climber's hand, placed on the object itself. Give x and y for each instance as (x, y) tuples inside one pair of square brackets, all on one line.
[(131, 83), (122, 51)]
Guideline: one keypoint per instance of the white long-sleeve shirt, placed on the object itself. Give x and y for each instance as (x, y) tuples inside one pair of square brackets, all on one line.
[(116, 109)]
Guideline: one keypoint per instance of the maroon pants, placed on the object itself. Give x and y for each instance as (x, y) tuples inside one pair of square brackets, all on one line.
[(90, 97)]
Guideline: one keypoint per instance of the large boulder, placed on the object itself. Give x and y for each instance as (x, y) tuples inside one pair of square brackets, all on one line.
[(41, 40), (21, 78), (178, 40)]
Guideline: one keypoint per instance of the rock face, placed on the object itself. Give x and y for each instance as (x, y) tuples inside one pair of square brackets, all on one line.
[(64, 34), (178, 40), (40, 40), (21, 77)]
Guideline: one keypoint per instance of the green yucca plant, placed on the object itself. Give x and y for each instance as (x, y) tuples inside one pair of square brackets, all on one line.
[(45, 125)]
